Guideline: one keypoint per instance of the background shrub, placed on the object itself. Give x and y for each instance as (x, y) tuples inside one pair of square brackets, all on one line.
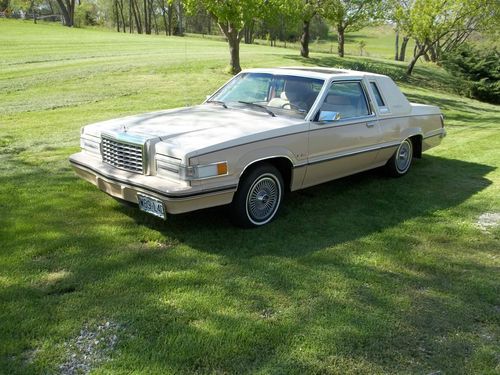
[(480, 68)]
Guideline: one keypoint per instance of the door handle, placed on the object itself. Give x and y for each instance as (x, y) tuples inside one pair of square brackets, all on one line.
[(371, 124)]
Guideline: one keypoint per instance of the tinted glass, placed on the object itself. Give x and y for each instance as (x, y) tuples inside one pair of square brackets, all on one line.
[(378, 97), (346, 98), (277, 92)]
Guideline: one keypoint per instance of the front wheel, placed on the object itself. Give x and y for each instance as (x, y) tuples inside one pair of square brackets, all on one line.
[(399, 164), (259, 196)]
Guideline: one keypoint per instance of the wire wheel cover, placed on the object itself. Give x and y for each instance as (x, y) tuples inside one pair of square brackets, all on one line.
[(403, 157), (263, 198)]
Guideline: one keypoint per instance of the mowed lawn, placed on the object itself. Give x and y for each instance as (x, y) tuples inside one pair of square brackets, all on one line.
[(362, 275)]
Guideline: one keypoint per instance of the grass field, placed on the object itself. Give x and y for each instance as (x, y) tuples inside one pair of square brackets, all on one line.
[(362, 275)]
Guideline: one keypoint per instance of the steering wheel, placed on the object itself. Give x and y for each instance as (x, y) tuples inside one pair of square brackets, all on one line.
[(292, 106)]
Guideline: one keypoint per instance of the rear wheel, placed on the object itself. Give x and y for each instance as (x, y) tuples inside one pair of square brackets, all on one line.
[(399, 164), (259, 196)]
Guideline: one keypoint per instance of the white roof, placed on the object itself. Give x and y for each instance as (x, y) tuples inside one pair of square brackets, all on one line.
[(313, 72)]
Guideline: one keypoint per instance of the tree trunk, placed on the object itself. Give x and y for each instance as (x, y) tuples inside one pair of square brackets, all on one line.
[(421, 50), (341, 40), (304, 39), (147, 27), (66, 13), (130, 16), (180, 17), (115, 8), (152, 14), (170, 8), (234, 50), (402, 53), (233, 37), (396, 56), (164, 14), (433, 54), (123, 17), (135, 10), (71, 6), (248, 37)]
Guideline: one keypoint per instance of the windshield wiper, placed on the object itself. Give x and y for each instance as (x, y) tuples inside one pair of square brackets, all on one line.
[(218, 102), (258, 106)]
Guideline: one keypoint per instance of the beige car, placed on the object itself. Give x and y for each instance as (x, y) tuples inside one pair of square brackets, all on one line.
[(265, 132)]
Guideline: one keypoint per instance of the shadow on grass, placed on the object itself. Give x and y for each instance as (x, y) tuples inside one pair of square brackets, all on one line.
[(335, 212), (214, 298)]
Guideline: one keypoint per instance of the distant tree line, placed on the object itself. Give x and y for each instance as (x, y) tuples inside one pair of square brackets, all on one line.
[(438, 27)]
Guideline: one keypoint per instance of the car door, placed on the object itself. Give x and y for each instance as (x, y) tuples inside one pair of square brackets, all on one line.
[(348, 142)]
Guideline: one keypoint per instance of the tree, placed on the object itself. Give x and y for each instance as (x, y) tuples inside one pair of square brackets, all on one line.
[(308, 10), (352, 15), (395, 8), (231, 16), (442, 25), (68, 11)]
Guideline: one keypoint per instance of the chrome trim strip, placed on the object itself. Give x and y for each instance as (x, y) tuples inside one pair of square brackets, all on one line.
[(266, 158), (438, 132), (353, 153), (149, 189)]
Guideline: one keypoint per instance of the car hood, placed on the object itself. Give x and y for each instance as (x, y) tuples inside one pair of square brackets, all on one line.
[(198, 128)]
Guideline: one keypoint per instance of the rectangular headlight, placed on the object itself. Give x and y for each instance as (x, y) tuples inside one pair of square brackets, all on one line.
[(90, 145), (199, 172), (171, 167)]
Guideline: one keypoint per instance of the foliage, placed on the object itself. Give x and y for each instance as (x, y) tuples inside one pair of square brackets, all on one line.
[(85, 14), (479, 67), (352, 15), (442, 25), (4, 4)]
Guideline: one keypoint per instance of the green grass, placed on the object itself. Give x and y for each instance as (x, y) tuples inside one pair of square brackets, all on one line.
[(362, 275), (379, 43)]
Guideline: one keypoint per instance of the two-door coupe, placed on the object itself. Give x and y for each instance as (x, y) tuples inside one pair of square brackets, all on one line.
[(265, 132)]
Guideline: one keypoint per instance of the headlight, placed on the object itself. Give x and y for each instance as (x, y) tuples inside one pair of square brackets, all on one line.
[(167, 166), (198, 172), (90, 145)]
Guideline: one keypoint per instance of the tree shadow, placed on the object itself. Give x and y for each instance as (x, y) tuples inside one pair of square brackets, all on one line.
[(336, 212), (214, 298)]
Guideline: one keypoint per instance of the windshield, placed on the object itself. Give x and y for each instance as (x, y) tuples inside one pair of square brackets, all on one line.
[(275, 93)]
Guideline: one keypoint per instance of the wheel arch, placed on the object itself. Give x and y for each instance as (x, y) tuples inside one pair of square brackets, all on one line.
[(282, 163)]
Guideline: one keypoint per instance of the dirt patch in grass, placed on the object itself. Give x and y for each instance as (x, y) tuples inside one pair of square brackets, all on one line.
[(90, 348), (488, 220)]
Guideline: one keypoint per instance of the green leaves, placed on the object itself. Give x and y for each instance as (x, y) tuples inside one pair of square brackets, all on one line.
[(352, 15)]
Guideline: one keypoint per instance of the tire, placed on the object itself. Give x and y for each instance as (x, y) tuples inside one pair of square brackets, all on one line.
[(259, 197), (399, 164)]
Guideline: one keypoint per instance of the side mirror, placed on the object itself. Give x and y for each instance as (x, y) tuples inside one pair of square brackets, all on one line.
[(329, 116)]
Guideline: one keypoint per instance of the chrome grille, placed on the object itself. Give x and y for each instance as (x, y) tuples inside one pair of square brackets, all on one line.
[(122, 155)]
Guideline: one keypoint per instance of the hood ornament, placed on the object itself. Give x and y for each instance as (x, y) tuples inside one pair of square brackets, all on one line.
[(124, 128)]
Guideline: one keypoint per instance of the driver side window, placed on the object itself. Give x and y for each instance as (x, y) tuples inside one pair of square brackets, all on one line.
[(347, 99)]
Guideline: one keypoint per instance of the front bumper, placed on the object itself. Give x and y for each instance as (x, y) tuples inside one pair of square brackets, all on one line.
[(176, 197)]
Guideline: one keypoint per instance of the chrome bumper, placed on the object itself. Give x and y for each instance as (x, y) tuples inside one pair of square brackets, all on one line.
[(176, 197)]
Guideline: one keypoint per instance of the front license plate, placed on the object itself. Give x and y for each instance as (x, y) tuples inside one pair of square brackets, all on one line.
[(151, 205)]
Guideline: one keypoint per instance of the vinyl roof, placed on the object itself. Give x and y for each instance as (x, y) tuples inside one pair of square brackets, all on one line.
[(312, 72)]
